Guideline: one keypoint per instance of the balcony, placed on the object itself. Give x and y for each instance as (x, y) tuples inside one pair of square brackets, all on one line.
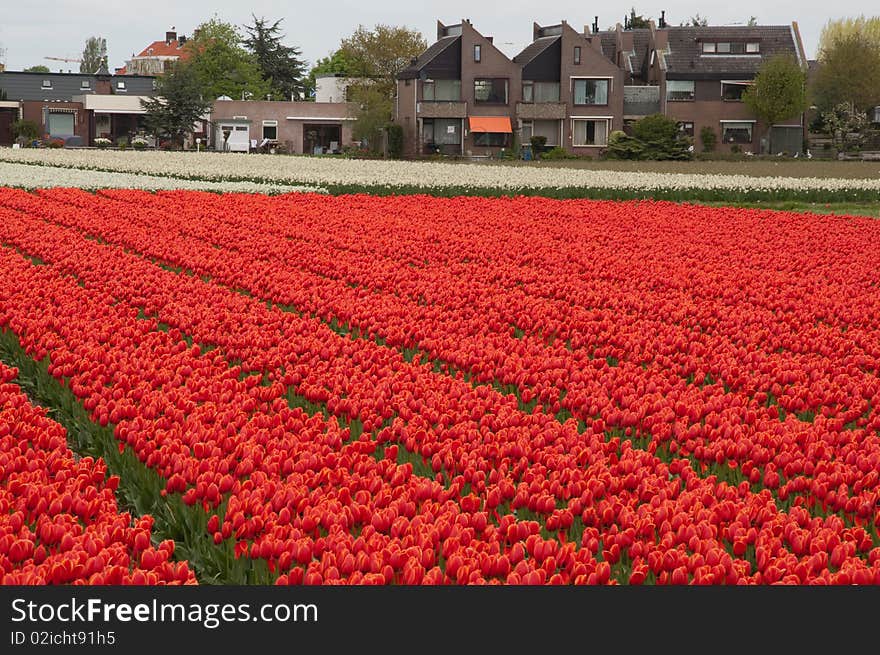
[(441, 109), (540, 110)]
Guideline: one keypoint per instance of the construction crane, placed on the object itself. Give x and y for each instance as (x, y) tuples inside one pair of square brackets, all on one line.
[(68, 60)]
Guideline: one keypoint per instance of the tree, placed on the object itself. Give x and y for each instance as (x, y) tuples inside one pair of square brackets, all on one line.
[(222, 66), (834, 30), (698, 21), (176, 104), (778, 92), (846, 125), (849, 73), (280, 65), (654, 137), (94, 55), (376, 57), (753, 21), (39, 68)]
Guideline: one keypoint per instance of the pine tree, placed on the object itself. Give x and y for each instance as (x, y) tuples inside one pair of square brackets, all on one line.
[(280, 65)]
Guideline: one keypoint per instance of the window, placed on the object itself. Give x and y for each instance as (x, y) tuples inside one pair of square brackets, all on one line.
[(441, 131), (679, 90), (540, 91), (733, 91), (477, 52), (753, 47), (591, 92), (241, 128), (47, 84), (85, 84), (120, 85), (577, 54), (686, 129), (441, 90), (708, 47), (490, 139), (490, 91), (736, 132), (270, 130), (547, 129), (586, 132), (722, 48)]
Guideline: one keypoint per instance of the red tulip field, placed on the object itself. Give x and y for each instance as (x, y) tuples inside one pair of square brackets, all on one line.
[(315, 389)]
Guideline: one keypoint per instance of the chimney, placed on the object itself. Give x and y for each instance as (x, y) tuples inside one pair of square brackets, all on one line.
[(182, 41), (662, 19), (596, 25), (170, 36), (489, 39)]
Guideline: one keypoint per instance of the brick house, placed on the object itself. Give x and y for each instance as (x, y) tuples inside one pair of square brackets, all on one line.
[(157, 57), (74, 104), (575, 88), (301, 127)]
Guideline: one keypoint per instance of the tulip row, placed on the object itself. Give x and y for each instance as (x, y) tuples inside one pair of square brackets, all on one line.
[(28, 176), (59, 522), (702, 423), (435, 177), (620, 473)]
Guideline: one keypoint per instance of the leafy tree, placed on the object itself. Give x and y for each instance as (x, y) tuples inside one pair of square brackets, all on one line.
[(338, 63), (376, 57), (836, 29), (698, 21), (753, 21), (176, 104), (849, 72), (94, 55), (37, 69), (654, 137), (222, 66), (778, 92), (26, 130), (280, 65), (846, 125)]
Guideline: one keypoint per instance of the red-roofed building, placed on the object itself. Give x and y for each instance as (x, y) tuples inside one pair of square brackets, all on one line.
[(157, 57)]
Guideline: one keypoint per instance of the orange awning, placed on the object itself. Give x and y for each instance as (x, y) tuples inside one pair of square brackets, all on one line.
[(490, 124)]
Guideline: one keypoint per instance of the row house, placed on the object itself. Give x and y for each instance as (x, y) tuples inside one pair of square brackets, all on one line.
[(65, 105), (463, 96)]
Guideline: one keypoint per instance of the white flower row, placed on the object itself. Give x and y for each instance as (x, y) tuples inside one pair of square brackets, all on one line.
[(34, 177), (325, 171)]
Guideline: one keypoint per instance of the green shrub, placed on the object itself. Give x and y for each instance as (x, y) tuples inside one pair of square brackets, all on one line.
[(708, 138), (538, 144), (623, 146), (25, 129), (395, 141)]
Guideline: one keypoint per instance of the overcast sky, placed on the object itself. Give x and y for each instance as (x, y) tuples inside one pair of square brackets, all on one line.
[(60, 28)]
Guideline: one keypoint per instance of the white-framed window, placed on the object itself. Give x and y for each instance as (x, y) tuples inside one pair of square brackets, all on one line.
[(270, 130), (686, 128), (46, 84), (120, 85), (722, 48), (441, 90), (540, 91), (478, 52), (736, 131), (679, 90), (753, 47), (709, 47), (491, 91), (586, 132), (590, 91), (85, 84)]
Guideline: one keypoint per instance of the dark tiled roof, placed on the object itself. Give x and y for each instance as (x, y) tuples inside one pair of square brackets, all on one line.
[(535, 48), (609, 45), (684, 57), (412, 72), (638, 61)]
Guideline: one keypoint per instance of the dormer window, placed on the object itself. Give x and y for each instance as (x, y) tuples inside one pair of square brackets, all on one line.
[(85, 84), (47, 84), (730, 47), (120, 85)]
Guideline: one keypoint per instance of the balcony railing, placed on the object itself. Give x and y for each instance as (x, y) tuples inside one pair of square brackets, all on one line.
[(540, 110), (441, 109), (641, 100)]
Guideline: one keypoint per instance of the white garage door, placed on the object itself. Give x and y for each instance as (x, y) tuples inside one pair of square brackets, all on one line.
[(239, 138)]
